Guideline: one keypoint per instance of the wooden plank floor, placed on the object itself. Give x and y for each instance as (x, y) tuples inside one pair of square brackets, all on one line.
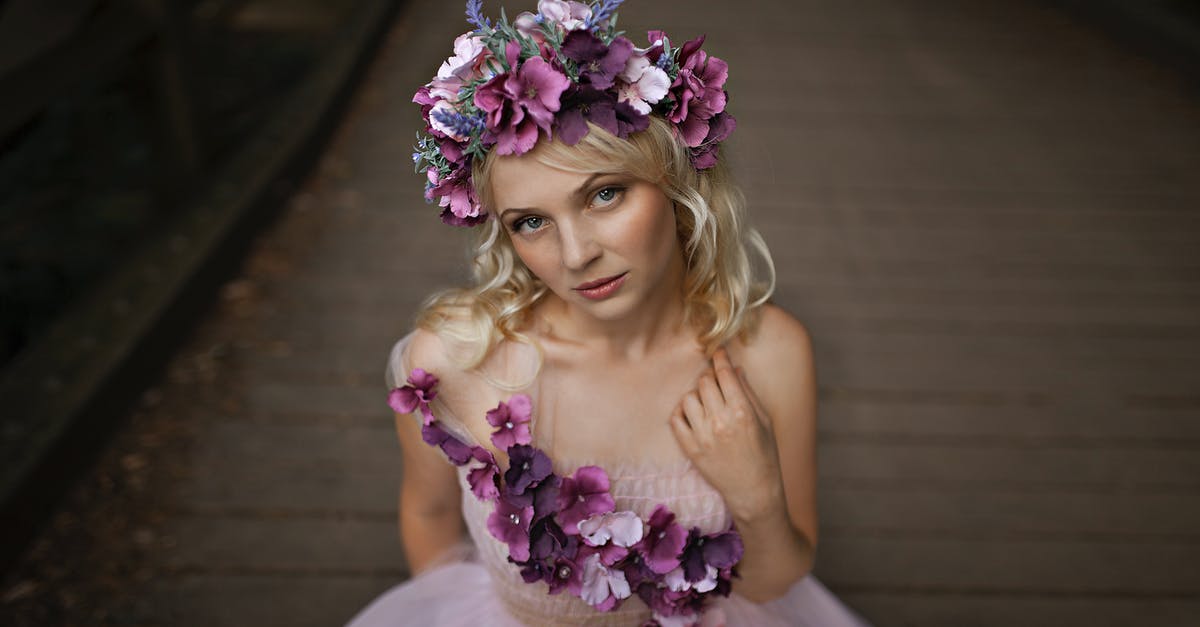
[(987, 214)]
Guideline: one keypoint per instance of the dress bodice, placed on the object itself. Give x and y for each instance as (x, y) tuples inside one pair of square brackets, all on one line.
[(637, 486), (680, 488)]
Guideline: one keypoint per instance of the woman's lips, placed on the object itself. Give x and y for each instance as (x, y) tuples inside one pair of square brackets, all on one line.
[(601, 288)]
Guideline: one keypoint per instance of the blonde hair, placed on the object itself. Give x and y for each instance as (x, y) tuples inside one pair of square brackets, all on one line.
[(722, 293)]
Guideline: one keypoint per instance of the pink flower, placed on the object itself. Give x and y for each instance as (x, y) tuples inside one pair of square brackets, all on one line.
[(582, 496), (567, 15), (484, 476), (469, 53), (417, 394), (664, 541), (511, 421), (510, 525), (603, 587), (642, 84), (624, 529), (518, 104)]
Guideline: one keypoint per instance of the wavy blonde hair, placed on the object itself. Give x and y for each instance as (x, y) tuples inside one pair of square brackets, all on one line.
[(722, 291)]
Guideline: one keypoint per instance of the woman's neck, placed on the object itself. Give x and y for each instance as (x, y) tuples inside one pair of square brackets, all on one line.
[(654, 324)]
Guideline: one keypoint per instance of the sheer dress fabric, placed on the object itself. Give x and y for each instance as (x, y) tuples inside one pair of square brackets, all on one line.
[(476, 585)]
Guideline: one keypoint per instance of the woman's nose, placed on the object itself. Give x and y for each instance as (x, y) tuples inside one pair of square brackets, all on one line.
[(579, 248)]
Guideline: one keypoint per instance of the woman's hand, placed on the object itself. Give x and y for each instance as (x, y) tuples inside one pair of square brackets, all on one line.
[(723, 428)]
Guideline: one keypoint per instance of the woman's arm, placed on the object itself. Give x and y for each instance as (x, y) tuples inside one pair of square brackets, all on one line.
[(759, 451), (430, 505)]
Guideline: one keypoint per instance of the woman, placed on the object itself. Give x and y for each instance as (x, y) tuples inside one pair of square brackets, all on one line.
[(630, 425)]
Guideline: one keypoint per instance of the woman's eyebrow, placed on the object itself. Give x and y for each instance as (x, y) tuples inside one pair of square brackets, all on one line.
[(579, 192)]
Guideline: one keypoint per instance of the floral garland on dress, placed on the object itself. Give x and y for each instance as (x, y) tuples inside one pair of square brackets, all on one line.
[(546, 75), (566, 532)]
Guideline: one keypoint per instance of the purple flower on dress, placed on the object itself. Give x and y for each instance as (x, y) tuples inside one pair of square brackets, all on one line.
[(527, 467), (417, 394), (518, 103), (455, 449), (582, 496), (566, 573), (509, 524), (599, 64), (664, 541), (603, 587), (511, 420), (548, 542), (484, 478)]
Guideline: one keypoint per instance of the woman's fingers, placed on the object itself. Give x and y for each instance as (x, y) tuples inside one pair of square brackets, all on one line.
[(727, 378), (697, 418), (753, 399), (683, 431)]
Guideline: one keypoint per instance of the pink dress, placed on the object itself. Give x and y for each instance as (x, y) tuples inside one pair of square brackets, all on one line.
[(481, 587)]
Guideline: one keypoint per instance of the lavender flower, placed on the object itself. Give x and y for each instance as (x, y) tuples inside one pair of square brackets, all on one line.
[(446, 119), (475, 15), (602, 13)]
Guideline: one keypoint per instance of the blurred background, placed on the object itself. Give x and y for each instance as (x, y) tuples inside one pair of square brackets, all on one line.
[(987, 213)]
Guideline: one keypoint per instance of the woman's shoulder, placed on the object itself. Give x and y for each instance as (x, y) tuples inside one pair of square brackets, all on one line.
[(779, 340)]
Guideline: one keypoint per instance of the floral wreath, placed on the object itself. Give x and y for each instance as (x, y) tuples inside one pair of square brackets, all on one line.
[(548, 75), (566, 532)]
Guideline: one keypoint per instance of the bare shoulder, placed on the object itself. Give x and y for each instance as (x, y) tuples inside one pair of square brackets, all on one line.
[(778, 360), (781, 343)]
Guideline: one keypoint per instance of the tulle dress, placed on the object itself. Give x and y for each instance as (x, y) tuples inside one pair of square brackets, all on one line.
[(479, 586)]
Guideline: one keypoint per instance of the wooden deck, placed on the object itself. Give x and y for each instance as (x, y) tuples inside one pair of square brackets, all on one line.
[(987, 214)]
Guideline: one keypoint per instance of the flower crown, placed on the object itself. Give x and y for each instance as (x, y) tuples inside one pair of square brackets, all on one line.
[(566, 531), (548, 75)]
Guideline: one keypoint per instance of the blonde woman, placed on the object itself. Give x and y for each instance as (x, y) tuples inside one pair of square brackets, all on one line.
[(620, 418)]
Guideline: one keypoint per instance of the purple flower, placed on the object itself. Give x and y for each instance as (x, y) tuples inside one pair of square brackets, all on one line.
[(704, 156), (484, 478), (527, 467), (417, 394), (698, 91), (603, 587), (548, 542), (599, 64), (455, 449), (664, 541), (511, 420), (509, 524), (565, 573), (517, 104), (457, 196), (582, 496), (582, 105), (585, 104)]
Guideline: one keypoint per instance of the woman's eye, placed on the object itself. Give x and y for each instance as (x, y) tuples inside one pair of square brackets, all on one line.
[(530, 223), (607, 195)]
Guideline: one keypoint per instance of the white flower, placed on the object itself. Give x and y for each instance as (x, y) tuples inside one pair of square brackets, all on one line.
[(623, 528), (467, 50), (600, 582), (678, 583), (643, 84), (569, 15)]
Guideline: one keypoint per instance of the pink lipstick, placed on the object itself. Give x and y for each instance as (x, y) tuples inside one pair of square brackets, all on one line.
[(601, 288)]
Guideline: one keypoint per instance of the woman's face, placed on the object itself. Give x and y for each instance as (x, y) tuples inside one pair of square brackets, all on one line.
[(605, 243)]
